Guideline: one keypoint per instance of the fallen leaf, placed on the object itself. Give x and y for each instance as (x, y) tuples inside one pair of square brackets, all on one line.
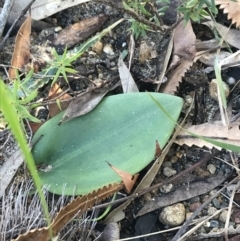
[(73, 34), (231, 60), (128, 83), (21, 52), (210, 58), (127, 178), (110, 232), (35, 126), (170, 87), (232, 8), (215, 130), (184, 41), (86, 101), (54, 92), (44, 8), (184, 52), (182, 193), (164, 61), (231, 36), (158, 150)]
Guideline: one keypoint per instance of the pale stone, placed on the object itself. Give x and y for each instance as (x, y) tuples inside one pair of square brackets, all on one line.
[(173, 215)]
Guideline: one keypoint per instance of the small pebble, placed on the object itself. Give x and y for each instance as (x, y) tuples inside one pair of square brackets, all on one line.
[(214, 224), (174, 159), (144, 52), (108, 49), (167, 164), (211, 211), (173, 215), (213, 89), (98, 47), (113, 64), (168, 172), (211, 168), (194, 206), (216, 203), (166, 188), (231, 81), (194, 200), (207, 224), (57, 29)]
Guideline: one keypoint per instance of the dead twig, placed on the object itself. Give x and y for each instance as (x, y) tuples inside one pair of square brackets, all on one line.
[(4, 14), (24, 11)]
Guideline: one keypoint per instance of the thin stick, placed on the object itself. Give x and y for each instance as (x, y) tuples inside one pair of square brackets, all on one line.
[(24, 11), (4, 14)]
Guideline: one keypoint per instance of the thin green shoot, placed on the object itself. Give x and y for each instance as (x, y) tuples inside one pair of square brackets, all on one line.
[(11, 116)]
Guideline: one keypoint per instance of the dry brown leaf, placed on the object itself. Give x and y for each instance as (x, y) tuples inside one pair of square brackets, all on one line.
[(209, 58), (127, 178), (215, 130), (232, 8), (158, 150), (170, 87), (231, 36), (87, 101), (21, 52), (184, 41), (54, 92), (184, 52), (128, 83), (72, 35), (35, 126), (77, 206)]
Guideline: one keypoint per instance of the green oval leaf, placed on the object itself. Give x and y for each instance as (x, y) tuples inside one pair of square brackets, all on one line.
[(122, 130)]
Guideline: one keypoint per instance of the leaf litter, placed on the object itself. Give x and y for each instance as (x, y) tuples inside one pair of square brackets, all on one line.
[(21, 54)]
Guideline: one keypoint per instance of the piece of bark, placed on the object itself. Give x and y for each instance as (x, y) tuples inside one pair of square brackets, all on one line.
[(74, 34)]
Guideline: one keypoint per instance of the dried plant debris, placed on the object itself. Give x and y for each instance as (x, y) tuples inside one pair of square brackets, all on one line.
[(215, 131), (21, 52), (58, 94), (231, 36), (76, 207), (72, 35), (9, 169), (232, 8), (170, 87), (128, 179), (182, 193), (110, 233), (22, 211), (44, 8), (88, 100), (183, 55), (128, 83), (210, 58)]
